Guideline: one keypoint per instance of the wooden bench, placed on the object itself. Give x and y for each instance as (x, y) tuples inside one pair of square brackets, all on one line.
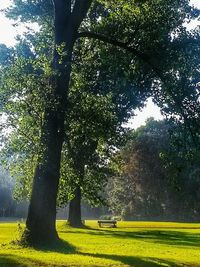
[(111, 223)]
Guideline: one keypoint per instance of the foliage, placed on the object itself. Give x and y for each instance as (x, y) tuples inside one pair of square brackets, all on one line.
[(22, 107), (159, 176), (182, 165), (96, 112)]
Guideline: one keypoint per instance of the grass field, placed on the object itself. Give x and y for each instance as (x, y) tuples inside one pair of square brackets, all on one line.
[(139, 244)]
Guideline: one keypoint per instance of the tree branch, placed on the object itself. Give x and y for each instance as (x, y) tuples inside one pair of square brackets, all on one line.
[(62, 6), (79, 12), (142, 56), (62, 15)]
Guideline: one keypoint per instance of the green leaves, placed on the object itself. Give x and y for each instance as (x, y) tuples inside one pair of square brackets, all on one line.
[(158, 174)]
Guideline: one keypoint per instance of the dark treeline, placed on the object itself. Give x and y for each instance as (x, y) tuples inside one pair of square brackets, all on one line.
[(159, 175)]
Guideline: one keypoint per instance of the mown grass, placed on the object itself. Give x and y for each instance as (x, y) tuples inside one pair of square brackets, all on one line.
[(139, 244)]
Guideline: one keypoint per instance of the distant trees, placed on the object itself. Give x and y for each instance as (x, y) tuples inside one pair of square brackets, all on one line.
[(7, 203), (155, 181)]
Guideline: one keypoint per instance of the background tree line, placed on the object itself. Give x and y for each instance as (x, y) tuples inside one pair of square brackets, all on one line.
[(158, 175)]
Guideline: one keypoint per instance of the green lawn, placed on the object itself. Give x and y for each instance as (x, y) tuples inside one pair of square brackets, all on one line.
[(140, 244)]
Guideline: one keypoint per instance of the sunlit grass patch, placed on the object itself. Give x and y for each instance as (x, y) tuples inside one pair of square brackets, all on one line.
[(140, 244)]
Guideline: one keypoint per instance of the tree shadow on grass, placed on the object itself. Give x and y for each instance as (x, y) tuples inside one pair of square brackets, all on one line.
[(173, 238), (136, 261), (16, 261), (9, 260), (60, 246), (164, 236)]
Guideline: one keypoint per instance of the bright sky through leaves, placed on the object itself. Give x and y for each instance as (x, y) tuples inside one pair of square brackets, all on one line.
[(7, 36)]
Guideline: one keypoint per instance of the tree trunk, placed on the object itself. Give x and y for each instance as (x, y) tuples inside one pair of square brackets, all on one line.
[(40, 224), (74, 217), (42, 210)]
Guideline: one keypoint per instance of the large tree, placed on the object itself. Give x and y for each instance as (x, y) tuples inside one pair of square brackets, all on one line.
[(42, 210), (93, 122), (149, 31)]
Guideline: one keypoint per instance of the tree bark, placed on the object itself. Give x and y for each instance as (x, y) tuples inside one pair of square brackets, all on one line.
[(74, 217), (80, 153), (40, 224), (42, 210)]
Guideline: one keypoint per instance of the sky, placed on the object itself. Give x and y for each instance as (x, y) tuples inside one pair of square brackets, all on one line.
[(7, 36)]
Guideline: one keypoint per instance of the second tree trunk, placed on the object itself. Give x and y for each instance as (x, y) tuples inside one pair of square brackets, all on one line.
[(74, 218)]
